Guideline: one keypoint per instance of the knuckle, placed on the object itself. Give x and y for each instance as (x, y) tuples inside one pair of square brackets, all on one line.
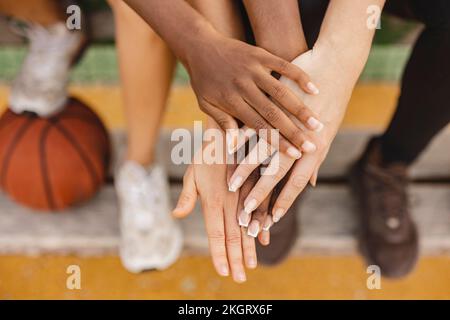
[(283, 66), (222, 122), (259, 124), (301, 112), (238, 83), (217, 237), (271, 114), (279, 92), (286, 199), (229, 99), (233, 239), (299, 181)]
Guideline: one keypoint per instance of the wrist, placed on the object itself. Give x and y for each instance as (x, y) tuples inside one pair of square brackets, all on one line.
[(287, 49), (342, 46), (201, 36), (350, 59)]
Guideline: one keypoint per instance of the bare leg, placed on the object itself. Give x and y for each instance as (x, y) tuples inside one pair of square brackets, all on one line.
[(146, 68), (43, 12)]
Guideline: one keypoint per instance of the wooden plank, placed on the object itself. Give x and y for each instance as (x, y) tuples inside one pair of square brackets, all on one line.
[(348, 145), (327, 224)]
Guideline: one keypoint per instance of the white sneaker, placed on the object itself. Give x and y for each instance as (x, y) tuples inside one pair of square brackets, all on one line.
[(41, 85), (150, 237)]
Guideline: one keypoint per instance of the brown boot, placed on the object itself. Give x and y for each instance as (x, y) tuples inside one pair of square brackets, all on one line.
[(283, 235), (388, 234)]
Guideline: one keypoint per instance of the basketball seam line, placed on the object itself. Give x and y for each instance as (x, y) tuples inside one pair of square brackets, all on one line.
[(10, 151), (44, 167), (92, 122), (87, 162)]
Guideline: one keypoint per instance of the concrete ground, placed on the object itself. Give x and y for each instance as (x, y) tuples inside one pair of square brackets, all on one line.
[(308, 274)]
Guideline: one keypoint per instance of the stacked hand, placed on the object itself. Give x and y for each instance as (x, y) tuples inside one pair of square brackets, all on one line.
[(330, 106), (232, 80), (231, 248), (231, 230)]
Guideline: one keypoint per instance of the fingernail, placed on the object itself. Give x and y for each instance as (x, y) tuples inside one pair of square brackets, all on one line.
[(312, 87), (223, 270), (231, 143), (309, 146), (313, 181), (268, 223), (240, 277), (250, 206), (251, 263), (277, 215), (235, 183), (244, 219), (253, 229), (294, 153), (265, 239), (315, 124), (177, 210)]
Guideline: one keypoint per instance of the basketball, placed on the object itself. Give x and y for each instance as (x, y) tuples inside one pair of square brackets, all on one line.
[(53, 163)]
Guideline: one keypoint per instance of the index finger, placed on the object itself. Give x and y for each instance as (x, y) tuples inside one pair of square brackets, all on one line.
[(215, 228), (298, 179)]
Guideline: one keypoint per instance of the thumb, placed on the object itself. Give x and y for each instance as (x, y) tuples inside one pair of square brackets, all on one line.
[(188, 195)]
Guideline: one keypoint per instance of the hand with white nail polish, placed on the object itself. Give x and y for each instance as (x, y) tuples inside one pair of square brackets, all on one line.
[(256, 221), (330, 105), (232, 249)]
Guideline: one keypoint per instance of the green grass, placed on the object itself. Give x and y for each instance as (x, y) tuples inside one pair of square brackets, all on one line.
[(99, 65)]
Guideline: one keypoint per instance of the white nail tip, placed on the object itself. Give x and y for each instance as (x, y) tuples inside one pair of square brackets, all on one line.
[(253, 230), (316, 124), (243, 221), (251, 206), (312, 88), (235, 184), (308, 146), (294, 153)]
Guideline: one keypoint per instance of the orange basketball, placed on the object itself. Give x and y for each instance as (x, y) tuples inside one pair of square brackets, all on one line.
[(53, 163)]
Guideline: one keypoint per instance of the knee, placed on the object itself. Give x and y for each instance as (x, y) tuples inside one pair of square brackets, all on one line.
[(131, 23)]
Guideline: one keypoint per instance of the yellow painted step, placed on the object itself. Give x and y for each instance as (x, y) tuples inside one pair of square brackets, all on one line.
[(194, 278), (371, 105)]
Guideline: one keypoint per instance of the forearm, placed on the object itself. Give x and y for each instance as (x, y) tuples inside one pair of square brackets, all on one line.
[(346, 36), (175, 21), (277, 26)]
